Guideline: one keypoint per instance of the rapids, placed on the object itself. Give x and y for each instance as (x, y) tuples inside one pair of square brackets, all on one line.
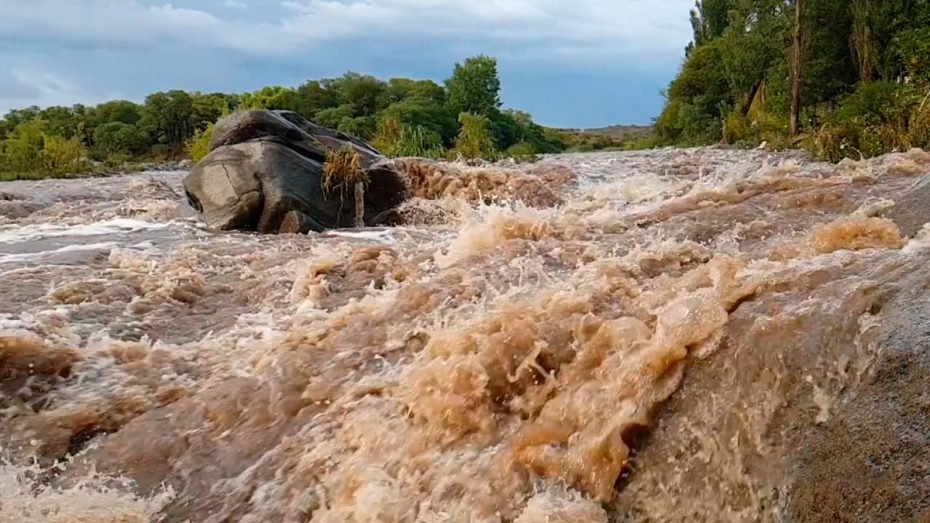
[(507, 355)]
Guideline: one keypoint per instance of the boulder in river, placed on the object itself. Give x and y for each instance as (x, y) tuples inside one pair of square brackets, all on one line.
[(266, 172), (912, 211)]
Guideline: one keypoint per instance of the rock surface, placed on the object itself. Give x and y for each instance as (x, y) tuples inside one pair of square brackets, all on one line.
[(264, 173), (912, 211)]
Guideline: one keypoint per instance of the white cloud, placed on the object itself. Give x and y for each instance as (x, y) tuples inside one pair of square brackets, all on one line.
[(26, 86), (69, 51), (626, 28)]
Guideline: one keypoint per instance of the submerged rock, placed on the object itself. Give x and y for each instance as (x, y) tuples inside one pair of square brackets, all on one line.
[(264, 172)]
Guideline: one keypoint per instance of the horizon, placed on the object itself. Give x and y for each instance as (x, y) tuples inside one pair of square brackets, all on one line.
[(585, 65)]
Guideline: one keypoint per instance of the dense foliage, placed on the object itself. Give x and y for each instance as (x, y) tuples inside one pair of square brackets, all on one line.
[(402, 117), (862, 71)]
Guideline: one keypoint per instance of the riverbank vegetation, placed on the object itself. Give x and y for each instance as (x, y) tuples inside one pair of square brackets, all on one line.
[(841, 78), (463, 118)]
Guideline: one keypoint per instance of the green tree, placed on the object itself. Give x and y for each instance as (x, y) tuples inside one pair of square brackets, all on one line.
[(60, 121), (62, 156), (23, 149), (15, 117), (400, 89), (122, 111), (423, 112), (709, 19), (697, 98), (279, 98), (118, 139), (208, 108), (315, 96), (30, 149), (334, 116), (364, 93), (168, 117), (474, 87)]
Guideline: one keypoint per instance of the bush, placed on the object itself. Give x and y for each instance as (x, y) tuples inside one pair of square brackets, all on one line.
[(474, 140), (736, 128), (877, 118), (63, 156), (914, 50), (395, 139), (523, 152), (30, 152), (199, 146)]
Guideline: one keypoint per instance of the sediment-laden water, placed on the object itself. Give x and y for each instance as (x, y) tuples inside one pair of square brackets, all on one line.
[(501, 357)]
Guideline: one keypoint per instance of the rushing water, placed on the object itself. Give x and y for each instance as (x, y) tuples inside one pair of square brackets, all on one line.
[(495, 359)]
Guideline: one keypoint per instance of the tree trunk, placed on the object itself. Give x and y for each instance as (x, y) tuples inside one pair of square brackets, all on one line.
[(796, 69), (752, 97)]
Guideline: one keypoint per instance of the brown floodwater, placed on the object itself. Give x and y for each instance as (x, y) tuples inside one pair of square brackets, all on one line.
[(496, 358)]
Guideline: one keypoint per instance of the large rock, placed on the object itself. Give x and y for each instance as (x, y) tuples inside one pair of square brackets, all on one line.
[(912, 211), (264, 173)]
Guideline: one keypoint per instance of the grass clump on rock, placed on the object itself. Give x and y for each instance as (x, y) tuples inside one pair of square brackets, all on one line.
[(343, 174)]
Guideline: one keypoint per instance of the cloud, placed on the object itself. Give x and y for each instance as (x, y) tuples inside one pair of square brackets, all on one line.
[(71, 51), (625, 28)]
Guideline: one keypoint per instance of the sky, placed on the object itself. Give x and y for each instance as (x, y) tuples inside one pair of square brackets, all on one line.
[(571, 63)]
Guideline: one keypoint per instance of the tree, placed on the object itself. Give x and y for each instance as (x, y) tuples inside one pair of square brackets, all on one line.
[(208, 108), (23, 149), (29, 149), (118, 139), (797, 46), (168, 116), (709, 19), (697, 98), (474, 87), (315, 96), (861, 41), (62, 156), (426, 113), (275, 98), (364, 93), (122, 111), (404, 116)]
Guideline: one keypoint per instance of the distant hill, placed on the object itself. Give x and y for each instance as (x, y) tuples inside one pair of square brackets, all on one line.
[(621, 132), (614, 137)]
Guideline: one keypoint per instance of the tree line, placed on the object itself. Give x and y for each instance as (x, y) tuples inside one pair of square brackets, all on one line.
[(402, 117), (839, 77)]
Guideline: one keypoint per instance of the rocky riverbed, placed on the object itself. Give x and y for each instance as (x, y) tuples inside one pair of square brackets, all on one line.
[(676, 335)]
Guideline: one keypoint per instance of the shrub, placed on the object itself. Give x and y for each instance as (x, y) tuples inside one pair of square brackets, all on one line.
[(877, 118), (63, 156), (395, 139), (475, 140), (522, 152), (199, 145), (736, 128), (914, 50)]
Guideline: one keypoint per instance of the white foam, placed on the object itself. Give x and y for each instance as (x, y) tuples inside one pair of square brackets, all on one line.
[(20, 234), (384, 236), (14, 258)]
